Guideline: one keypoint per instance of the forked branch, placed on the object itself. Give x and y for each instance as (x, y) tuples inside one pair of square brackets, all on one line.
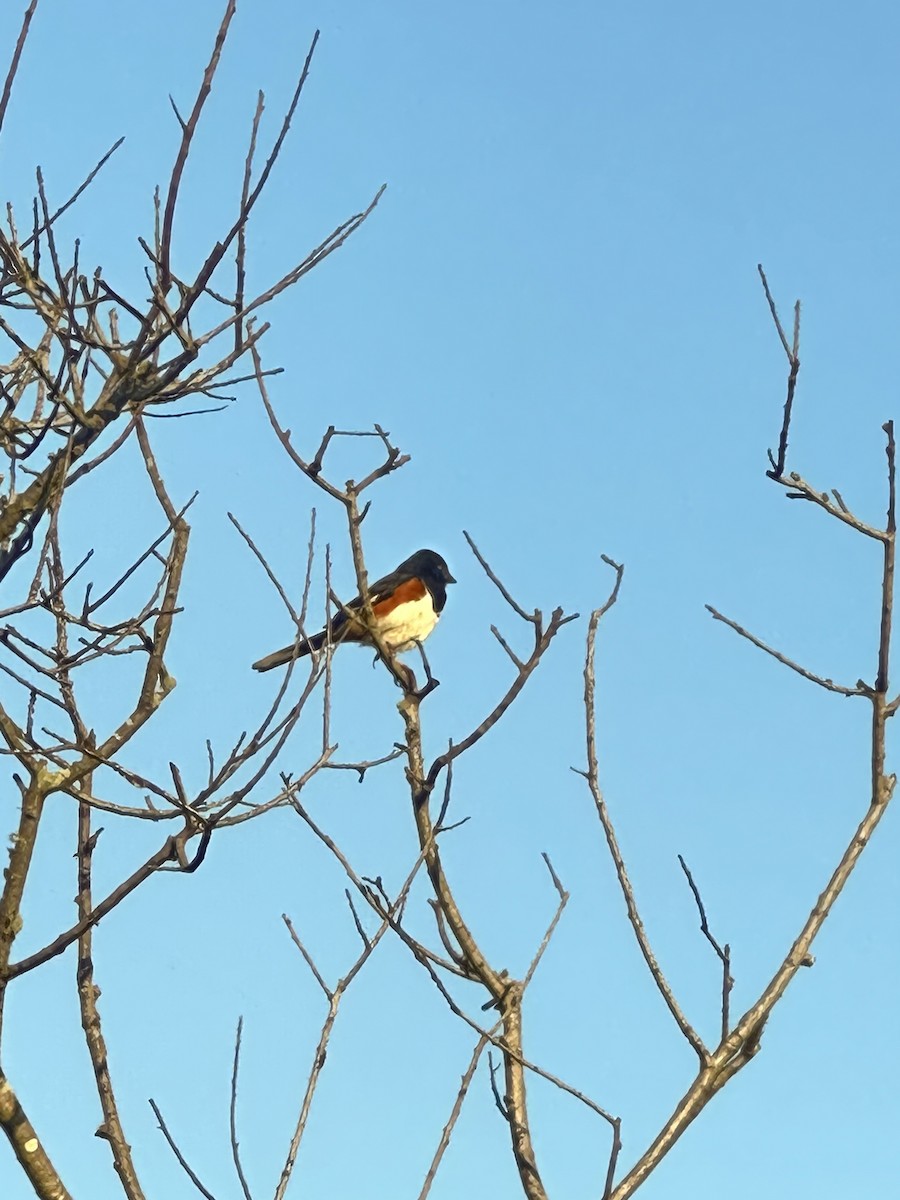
[(592, 775), (740, 1044)]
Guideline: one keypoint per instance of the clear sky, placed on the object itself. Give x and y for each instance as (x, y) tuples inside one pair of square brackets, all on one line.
[(555, 310)]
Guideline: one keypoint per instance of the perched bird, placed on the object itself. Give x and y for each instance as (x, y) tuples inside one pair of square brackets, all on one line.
[(406, 605)]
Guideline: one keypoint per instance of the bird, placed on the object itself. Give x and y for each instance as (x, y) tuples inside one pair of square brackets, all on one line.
[(406, 605)]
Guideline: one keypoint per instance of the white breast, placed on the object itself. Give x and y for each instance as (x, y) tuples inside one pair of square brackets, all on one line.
[(409, 623)]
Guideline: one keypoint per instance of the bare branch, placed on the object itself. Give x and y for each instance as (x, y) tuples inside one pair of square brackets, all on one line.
[(17, 55), (335, 995), (235, 1148), (111, 1130), (189, 128), (828, 684), (792, 351), (743, 1042), (887, 590), (465, 1083), (273, 579), (92, 175), (551, 928), (166, 853), (723, 953), (799, 489), (593, 779), (182, 1161), (499, 585), (542, 639), (241, 253), (27, 1146), (16, 872), (307, 957)]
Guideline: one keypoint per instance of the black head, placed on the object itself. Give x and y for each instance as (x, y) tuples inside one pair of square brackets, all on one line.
[(428, 565)]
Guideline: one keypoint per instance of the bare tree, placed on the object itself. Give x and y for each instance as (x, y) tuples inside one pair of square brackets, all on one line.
[(88, 369), (85, 371)]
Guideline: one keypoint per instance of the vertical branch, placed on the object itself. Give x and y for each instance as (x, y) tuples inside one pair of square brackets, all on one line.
[(241, 253), (727, 985), (516, 1098), (792, 350), (723, 953), (189, 128), (887, 587), (882, 679), (614, 1152), (232, 1113), (111, 1129), (16, 874), (507, 993)]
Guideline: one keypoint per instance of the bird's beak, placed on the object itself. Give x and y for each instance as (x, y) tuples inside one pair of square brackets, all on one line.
[(449, 578)]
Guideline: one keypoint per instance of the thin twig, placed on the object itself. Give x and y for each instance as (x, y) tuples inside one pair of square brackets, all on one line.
[(182, 1161), (465, 1083), (792, 351), (723, 952), (76, 194), (820, 680), (189, 128), (499, 585), (17, 55), (593, 780), (307, 957), (232, 1113)]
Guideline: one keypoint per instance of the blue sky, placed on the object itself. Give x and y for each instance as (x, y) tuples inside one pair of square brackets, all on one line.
[(555, 310)]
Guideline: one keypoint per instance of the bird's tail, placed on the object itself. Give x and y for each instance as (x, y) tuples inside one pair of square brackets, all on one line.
[(282, 657)]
